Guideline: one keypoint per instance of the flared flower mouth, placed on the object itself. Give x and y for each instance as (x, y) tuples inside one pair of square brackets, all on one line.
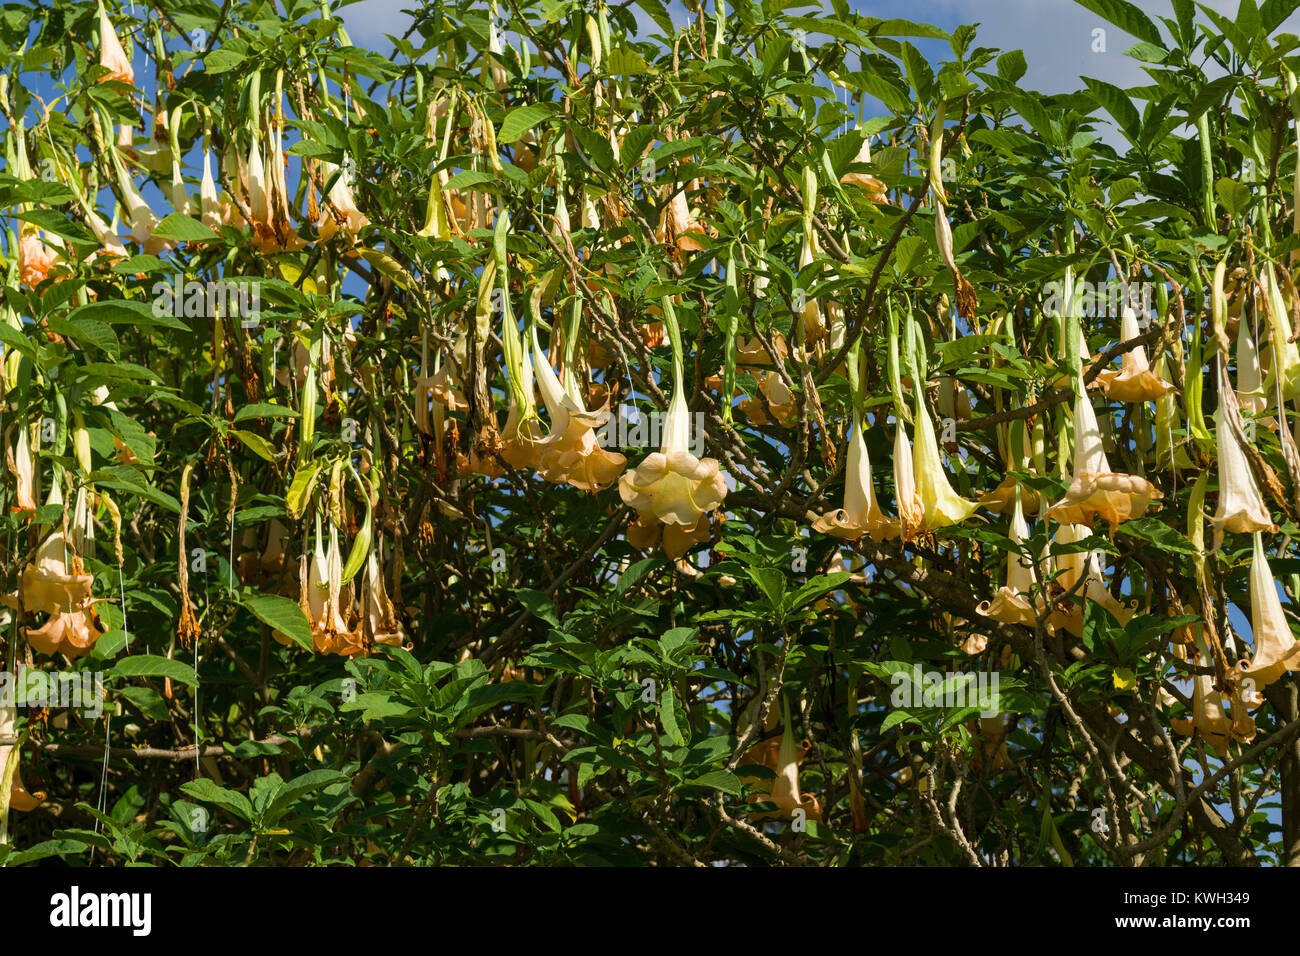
[(1096, 491), (1133, 381), (1241, 507), (782, 756), (1210, 718), (1013, 604), (1276, 649), (56, 585), (111, 54), (340, 213), (571, 454), (673, 485), (35, 259), (1069, 598), (779, 399), (940, 505), (861, 513), (326, 598), (72, 634)]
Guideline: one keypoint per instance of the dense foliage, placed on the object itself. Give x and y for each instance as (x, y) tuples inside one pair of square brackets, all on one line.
[(318, 377)]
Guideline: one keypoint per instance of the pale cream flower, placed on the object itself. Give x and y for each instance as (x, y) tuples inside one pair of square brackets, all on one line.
[(1241, 507), (1250, 379), (861, 513), (940, 505), (324, 600), (111, 54), (571, 453), (671, 485), (1068, 612), (1211, 720), (911, 514), (1013, 603), (1276, 650), (1097, 491), (341, 198), (783, 760), (1133, 381)]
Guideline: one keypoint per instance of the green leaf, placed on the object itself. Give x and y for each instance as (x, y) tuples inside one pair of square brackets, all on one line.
[(1155, 532), (520, 120), (668, 716), (208, 792), (721, 780), (539, 603), (1127, 17), (771, 582), (151, 665), (255, 443), (280, 614), (300, 488), (297, 788), (181, 228), (263, 410), (85, 331)]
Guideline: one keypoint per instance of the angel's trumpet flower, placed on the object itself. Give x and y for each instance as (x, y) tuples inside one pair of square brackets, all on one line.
[(269, 200), (1250, 380), (861, 513), (1284, 353), (911, 514), (214, 212), (872, 186), (109, 244), (940, 505), (671, 485), (1276, 649), (1209, 718), (785, 791), (19, 798), (1241, 507), (22, 466), (1013, 602), (813, 325), (73, 634), (571, 453), (1068, 613), (523, 437), (140, 219), (1169, 449), (111, 54), (678, 227), (177, 193), (324, 600), (779, 399), (1133, 381), (349, 218), (378, 615), (993, 747), (1096, 491), (55, 583), (35, 258)]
